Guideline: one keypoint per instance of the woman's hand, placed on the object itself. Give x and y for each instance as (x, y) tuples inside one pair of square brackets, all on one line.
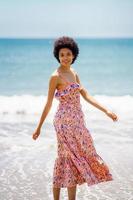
[(36, 134), (112, 115)]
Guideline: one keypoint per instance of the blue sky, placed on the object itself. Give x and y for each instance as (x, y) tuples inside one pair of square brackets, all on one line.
[(78, 18)]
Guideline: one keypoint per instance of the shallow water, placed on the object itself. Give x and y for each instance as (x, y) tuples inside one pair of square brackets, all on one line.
[(26, 165)]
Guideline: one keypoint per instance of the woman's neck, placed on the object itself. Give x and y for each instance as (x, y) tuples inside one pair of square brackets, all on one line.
[(65, 68)]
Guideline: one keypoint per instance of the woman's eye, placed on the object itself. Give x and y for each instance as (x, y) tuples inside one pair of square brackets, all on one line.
[(66, 54)]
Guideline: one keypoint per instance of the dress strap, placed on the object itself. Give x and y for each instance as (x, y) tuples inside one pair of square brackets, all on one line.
[(62, 76)]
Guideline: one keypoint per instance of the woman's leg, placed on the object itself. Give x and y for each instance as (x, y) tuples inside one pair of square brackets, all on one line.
[(71, 193), (56, 193)]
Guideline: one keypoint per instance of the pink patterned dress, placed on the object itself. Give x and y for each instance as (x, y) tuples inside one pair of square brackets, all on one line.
[(77, 161)]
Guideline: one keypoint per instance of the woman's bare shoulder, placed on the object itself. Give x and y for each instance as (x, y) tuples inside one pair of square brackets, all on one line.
[(75, 72), (55, 74), (54, 77)]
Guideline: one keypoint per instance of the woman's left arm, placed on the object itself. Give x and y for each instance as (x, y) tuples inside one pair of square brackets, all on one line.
[(92, 101)]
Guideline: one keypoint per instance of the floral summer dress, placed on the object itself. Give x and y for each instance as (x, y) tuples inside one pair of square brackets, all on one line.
[(77, 161)]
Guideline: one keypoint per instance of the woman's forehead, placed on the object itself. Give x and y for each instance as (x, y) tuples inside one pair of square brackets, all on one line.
[(65, 50)]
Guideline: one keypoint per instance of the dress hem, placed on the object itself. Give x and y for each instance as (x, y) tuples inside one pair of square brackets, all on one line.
[(89, 184)]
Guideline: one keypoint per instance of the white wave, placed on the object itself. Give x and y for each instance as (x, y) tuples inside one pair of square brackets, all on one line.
[(28, 107)]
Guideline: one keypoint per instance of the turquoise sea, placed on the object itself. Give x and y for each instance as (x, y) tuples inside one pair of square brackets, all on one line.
[(104, 66)]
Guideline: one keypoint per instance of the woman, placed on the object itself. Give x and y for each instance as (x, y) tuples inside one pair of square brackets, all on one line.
[(77, 161)]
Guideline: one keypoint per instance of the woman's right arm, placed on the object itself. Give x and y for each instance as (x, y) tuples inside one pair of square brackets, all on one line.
[(47, 107)]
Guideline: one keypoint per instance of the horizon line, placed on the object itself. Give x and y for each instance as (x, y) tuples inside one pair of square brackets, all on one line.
[(76, 37)]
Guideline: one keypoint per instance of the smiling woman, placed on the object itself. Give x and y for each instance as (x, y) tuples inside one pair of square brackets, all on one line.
[(77, 161), (70, 45)]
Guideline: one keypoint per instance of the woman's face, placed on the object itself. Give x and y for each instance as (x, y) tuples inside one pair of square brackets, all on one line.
[(65, 56)]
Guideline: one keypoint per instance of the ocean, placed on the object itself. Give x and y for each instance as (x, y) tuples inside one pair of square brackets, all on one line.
[(105, 68)]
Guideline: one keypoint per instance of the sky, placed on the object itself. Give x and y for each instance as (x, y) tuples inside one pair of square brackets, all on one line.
[(77, 18)]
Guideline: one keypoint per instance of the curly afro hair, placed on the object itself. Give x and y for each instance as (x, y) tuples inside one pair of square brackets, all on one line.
[(65, 42)]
